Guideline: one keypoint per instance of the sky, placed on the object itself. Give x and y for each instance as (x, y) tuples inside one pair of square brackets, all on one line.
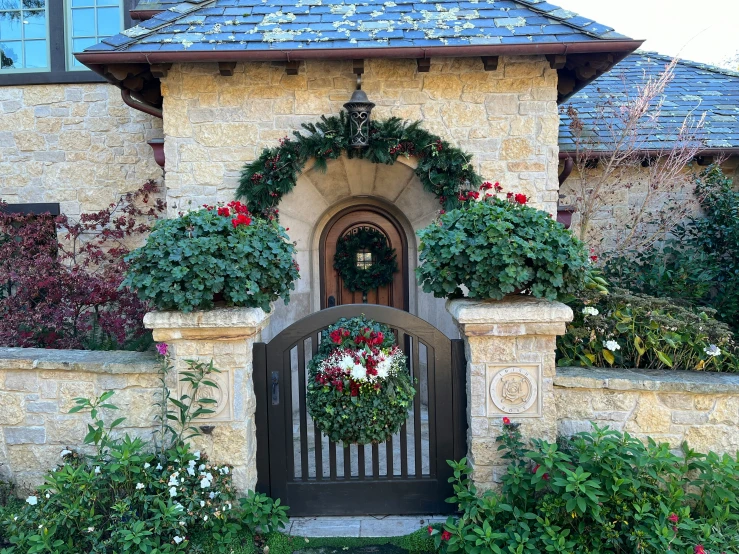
[(705, 31)]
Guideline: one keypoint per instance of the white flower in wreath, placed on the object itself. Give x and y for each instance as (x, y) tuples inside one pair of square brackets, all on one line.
[(359, 372), (384, 367), (346, 363)]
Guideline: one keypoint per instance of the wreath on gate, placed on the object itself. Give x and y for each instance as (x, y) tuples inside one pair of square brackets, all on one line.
[(359, 388), (443, 170), (361, 274)]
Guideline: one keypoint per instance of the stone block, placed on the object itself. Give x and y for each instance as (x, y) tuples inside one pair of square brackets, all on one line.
[(24, 435), (11, 410), (42, 407), (26, 381)]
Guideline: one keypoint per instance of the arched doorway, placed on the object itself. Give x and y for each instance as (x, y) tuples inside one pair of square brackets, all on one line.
[(333, 292)]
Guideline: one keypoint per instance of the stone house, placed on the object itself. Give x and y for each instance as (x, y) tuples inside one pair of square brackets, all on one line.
[(694, 90)]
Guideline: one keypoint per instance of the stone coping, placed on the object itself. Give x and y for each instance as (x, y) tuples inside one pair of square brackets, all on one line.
[(510, 310), (88, 361), (647, 380), (216, 318)]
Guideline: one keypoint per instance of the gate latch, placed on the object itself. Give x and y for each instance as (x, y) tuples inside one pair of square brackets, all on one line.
[(275, 388)]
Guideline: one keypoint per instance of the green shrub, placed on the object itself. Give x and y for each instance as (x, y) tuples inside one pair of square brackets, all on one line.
[(700, 264), (621, 329), (188, 260), (261, 513), (602, 492), (496, 247)]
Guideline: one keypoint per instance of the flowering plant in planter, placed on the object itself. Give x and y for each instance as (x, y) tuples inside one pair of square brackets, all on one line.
[(495, 246), (359, 389), (189, 261)]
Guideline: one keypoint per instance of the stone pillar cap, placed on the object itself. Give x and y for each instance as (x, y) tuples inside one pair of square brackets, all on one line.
[(217, 318), (511, 309)]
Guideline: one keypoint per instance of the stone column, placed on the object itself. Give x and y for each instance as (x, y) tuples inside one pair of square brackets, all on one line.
[(510, 347), (225, 335)]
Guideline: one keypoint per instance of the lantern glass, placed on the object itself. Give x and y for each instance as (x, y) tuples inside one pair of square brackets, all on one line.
[(359, 109)]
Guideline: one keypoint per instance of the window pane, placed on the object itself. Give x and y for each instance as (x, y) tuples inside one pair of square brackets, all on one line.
[(10, 4), (109, 21), (83, 23), (34, 24), (10, 25), (10, 54), (36, 54), (82, 3), (109, 2), (34, 4)]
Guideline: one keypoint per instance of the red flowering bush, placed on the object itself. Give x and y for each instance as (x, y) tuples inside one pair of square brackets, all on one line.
[(191, 261), (61, 277), (359, 389)]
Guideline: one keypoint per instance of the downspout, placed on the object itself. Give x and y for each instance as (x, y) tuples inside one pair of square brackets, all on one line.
[(137, 103)]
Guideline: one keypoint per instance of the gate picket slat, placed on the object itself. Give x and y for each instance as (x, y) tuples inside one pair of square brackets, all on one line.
[(286, 399), (389, 457), (375, 461), (431, 380), (347, 463), (332, 460), (404, 450), (303, 412), (360, 461), (417, 454), (317, 435)]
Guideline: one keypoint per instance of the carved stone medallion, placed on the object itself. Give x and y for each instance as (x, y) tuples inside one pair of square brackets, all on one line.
[(514, 390)]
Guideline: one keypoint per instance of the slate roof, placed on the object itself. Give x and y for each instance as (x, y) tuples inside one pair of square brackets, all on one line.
[(231, 25), (695, 88)]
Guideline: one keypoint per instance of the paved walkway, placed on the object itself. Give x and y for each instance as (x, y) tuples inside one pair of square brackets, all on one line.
[(361, 526)]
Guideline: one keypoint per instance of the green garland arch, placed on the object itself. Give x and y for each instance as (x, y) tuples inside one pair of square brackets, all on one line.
[(379, 274), (444, 170)]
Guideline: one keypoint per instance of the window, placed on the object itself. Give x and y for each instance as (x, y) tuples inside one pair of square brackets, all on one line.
[(90, 22), (39, 37), (24, 35)]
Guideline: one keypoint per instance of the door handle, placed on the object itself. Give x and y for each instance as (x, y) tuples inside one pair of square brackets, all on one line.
[(275, 388)]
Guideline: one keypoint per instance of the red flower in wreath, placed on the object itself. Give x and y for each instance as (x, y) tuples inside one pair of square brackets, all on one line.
[(446, 535)]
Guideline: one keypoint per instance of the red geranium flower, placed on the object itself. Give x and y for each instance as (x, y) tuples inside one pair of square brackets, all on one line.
[(498, 188), (521, 199), (506, 421), (673, 518), (224, 212), (699, 549), (486, 185), (509, 195), (446, 535), (241, 219)]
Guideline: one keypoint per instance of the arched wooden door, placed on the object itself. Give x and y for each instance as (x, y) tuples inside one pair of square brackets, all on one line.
[(333, 292)]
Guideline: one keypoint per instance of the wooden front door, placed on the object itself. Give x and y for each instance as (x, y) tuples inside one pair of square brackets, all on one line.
[(333, 292)]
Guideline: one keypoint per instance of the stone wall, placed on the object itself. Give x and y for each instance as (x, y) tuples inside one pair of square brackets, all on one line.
[(38, 388), (621, 200), (506, 118), (78, 145), (667, 406)]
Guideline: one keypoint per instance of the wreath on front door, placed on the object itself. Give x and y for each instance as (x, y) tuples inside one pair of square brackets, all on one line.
[(364, 260), (359, 389)]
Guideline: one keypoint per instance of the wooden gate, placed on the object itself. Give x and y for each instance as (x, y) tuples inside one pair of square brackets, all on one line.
[(407, 474)]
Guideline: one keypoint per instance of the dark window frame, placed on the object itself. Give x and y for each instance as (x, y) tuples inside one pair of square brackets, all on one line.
[(58, 73)]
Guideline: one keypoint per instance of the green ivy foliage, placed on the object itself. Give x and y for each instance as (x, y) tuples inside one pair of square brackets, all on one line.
[(602, 492), (189, 259), (496, 247), (442, 169), (369, 417)]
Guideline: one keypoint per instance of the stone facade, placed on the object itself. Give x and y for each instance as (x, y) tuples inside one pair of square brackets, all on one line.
[(512, 340), (226, 336), (667, 406), (78, 145), (214, 124), (612, 223), (38, 388)]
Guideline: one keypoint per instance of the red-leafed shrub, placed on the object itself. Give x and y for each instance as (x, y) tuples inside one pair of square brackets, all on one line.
[(60, 277)]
